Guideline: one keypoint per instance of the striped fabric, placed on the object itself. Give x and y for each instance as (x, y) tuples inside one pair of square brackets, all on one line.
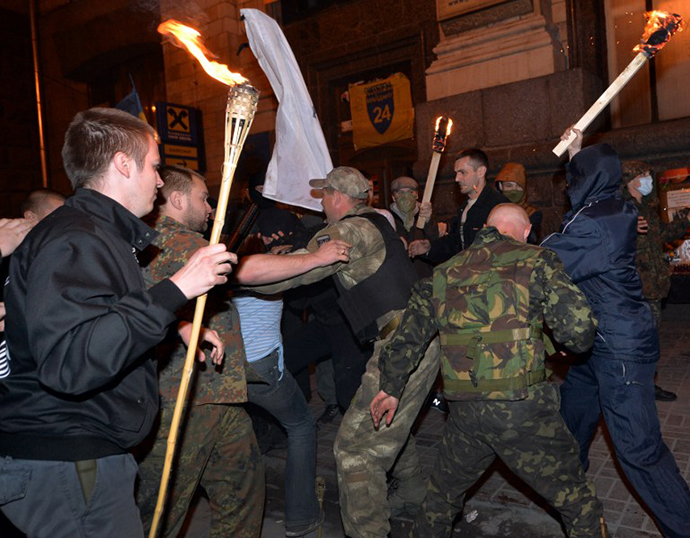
[(260, 322)]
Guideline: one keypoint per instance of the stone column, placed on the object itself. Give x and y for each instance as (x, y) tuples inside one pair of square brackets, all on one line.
[(486, 43)]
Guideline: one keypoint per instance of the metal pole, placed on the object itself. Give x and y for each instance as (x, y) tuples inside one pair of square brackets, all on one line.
[(37, 79)]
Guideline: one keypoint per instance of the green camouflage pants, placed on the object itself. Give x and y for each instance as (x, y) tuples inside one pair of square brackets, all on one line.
[(363, 455), (218, 450), (530, 437)]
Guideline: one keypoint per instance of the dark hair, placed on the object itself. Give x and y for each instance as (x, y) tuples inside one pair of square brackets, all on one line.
[(477, 157), (37, 198), (95, 136), (176, 179)]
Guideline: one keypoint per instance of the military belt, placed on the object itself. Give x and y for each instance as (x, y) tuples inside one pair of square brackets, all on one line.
[(474, 339), (518, 382)]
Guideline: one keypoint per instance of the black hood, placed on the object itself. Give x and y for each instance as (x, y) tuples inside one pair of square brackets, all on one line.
[(594, 173)]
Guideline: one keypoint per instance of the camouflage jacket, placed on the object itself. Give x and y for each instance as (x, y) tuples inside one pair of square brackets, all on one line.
[(211, 384), (548, 295), (651, 264), (366, 255)]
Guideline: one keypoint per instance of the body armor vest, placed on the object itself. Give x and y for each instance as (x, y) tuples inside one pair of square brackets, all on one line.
[(491, 349), (387, 289)]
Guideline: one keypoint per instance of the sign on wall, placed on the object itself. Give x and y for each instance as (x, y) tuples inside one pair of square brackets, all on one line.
[(382, 111), (181, 135)]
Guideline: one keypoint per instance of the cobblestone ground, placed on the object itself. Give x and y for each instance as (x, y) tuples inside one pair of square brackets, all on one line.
[(500, 505)]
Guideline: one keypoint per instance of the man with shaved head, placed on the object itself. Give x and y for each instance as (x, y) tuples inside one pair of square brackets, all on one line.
[(489, 304)]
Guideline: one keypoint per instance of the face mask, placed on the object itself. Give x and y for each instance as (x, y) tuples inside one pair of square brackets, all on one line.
[(514, 196), (406, 202), (646, 185)]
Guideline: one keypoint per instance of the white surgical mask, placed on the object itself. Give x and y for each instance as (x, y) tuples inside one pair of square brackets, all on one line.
[(646, 185)]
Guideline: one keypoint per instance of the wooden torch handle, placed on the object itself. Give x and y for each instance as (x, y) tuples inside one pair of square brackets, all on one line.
[(605, 98), (429, 187)]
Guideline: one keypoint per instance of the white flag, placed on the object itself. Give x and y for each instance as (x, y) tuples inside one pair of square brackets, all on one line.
[(300, 151)]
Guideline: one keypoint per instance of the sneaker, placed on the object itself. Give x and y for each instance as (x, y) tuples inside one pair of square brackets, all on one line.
[(301, 530), (661, 395), (329, 414), (438, 403)]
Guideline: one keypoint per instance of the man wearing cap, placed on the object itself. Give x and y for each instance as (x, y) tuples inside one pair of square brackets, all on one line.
[(374, 288), (406, 208), (511, 181)]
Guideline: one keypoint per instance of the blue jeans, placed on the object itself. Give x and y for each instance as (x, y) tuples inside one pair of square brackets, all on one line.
[(46, 498), (283, 398), (624, 392)]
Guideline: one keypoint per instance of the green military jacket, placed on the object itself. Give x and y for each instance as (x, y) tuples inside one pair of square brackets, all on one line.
[(651, 263), (497, 284), (211, 384), (366, 255)]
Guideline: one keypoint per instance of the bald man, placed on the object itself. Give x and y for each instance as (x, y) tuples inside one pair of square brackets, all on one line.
[(489, 304)]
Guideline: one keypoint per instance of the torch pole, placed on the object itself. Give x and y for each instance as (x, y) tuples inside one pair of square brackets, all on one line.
[(606, 97), (429, 187), (242, 103)]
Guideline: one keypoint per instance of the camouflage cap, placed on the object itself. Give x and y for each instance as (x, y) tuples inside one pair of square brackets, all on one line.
[(404, 182), (346, 180), (632, 169)]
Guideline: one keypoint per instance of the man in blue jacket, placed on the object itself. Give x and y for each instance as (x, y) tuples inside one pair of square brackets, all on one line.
[(597, 247)]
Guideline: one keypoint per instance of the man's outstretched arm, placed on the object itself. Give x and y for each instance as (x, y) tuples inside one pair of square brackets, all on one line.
[(259, 269)]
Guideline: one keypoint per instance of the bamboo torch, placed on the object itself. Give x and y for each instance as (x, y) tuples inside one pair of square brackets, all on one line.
[(239, 113), (661, 26), (441, 132)]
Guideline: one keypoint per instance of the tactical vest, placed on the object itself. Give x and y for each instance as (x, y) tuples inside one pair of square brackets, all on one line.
[(387, 289), (491, 350)]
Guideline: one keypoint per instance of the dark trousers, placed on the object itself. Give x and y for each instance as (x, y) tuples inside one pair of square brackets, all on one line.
[(315, 341), (283, 399), (624, 392), (530, 437), (46, 498)]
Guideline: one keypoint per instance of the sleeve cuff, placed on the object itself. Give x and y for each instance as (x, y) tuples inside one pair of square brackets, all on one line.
[(168, 295)]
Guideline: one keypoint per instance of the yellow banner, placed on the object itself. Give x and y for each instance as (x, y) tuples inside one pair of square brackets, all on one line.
[(382, 111)]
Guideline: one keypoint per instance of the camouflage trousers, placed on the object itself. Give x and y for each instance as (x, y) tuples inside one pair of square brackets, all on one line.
[(530, 437), (363, 455), (216, 449)]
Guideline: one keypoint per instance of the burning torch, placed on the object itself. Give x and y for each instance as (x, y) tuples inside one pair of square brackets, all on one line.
[(239, 114), (660, 28), (441, 132)]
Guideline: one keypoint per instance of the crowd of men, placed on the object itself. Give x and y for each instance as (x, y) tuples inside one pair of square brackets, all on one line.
[(98, 316)]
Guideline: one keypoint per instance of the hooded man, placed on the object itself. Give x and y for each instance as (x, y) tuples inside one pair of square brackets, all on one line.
[(597, 247), (512, 182)]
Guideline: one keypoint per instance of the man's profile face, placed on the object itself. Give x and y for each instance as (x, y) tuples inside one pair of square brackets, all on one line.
[(198, 210), (144, 183), (467, 177)]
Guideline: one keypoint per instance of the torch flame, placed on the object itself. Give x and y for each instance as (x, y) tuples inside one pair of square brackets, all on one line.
[(439, 142), (449, 125), (661, 25), (189, 38)]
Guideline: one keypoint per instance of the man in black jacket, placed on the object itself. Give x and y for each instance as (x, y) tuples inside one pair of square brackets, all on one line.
[(81, 387), (471, 166)]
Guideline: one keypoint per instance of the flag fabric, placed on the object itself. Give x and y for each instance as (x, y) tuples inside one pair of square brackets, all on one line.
[(132, 104), (300, 152), (382, 111)]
